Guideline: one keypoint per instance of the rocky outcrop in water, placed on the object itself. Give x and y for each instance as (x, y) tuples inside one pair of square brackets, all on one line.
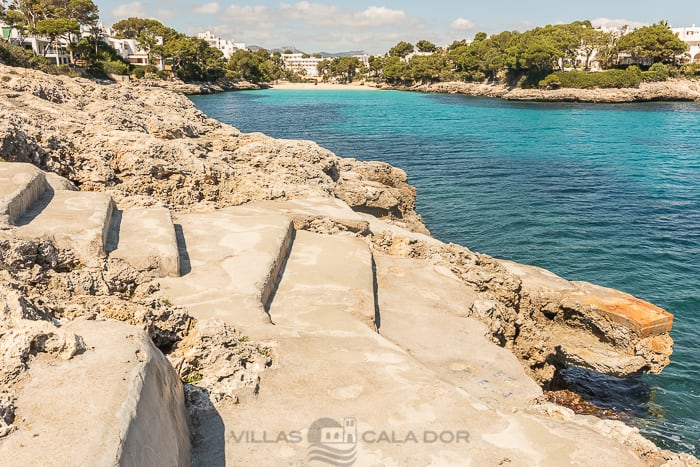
[(670, 90)]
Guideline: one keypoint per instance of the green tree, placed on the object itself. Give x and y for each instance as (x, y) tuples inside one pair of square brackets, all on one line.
[(54, 28), (395, 70), (344, 68), (426, 69), (592, 41), (375, 66), (15, 20), (655, 43), (323, 68), (425, 46), (401, 50)]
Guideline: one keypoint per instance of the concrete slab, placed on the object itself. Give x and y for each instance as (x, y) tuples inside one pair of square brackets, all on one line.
[(20, 186), (326, 277), (423, 310), (145, 238), (73, 219), (118, 403), (229, 264)]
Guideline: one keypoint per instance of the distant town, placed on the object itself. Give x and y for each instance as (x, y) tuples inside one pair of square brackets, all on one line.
[(542, 56)]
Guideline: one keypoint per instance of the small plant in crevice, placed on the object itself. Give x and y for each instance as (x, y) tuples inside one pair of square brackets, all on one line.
[(166, 302), (193, 378)]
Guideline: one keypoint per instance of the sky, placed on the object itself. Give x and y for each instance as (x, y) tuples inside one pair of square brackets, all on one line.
[(375, 26)]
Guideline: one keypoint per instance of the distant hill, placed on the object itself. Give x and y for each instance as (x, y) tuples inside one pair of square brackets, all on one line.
[(255, 48), (351, 53)]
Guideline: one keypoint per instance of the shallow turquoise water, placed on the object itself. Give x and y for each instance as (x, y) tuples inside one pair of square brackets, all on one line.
[(604, 193)]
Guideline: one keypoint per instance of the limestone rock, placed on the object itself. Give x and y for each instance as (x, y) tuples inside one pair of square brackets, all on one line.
[(670, 90), (146, 145)]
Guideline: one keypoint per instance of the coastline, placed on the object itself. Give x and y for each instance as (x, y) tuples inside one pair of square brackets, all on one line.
[(174, 125), (324, 87), (671, 90)]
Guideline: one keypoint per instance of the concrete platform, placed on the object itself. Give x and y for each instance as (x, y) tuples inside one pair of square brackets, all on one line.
[(118, 403), (399, 406), (73, 219), (230, 261), (145, 238), (20, 186)]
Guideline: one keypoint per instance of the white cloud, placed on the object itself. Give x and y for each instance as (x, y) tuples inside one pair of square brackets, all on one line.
[(608, 23), (380, 16), (319, 14), (258, 15), (129, 10), (164, 14), (312, 26), (211, 8), (461, 24), (311, 13)]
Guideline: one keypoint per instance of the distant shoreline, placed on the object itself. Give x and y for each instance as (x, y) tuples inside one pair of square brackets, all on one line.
[(671, 90), (324, 86)]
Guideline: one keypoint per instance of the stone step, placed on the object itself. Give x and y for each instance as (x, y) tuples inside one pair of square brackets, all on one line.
[(72, 219), (328, 283), (145, 238), (423, 310), (334, 374), (230, 260), (20, 186), (119, 400)]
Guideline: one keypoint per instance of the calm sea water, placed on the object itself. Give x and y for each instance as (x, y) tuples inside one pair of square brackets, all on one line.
[(603, 193)]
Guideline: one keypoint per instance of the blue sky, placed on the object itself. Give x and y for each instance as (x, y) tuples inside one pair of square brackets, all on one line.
[(376, 25)]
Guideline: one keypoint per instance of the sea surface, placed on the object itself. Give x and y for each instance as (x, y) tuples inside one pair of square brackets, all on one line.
[(603, 193)]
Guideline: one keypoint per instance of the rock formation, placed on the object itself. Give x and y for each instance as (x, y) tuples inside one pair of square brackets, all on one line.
[(284, 284), (670, 90)]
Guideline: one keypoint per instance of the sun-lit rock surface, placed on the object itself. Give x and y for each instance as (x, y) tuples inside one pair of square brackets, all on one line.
[(306, 287)]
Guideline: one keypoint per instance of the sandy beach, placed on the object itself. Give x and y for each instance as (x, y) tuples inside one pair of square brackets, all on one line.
[(326, 86)]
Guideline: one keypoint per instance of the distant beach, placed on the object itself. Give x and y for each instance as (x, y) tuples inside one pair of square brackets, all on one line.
[(325, 86)]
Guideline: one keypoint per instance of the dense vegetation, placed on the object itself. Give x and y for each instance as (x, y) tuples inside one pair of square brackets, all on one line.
[(550, 56), (188, 58)]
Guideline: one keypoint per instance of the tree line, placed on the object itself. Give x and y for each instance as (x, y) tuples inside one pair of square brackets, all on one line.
[(530, 57), (188, 58), (549, 56)]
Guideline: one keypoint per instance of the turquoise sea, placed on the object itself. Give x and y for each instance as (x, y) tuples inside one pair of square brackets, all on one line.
[(603, 193)]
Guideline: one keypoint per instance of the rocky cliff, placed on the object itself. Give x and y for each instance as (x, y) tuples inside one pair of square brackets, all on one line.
[(245, 259)]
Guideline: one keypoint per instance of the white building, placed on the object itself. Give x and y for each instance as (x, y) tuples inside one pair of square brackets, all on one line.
[(56, 53), (691, 36), (129, 49), (297, 63), (364, 59), (226, 46)]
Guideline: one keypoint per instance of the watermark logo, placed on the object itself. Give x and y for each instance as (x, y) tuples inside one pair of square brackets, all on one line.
[(333, 443)]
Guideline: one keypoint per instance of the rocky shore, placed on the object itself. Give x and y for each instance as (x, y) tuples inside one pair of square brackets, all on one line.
[(670, 90), (162, 266)]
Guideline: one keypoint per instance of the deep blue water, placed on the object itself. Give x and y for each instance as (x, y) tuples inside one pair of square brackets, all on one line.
[(603, 193)]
